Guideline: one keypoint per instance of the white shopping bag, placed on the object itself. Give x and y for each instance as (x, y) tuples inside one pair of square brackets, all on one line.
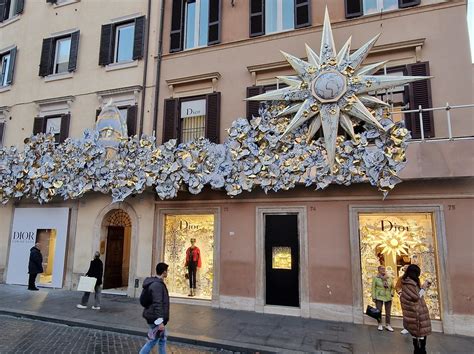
[(86, 284)]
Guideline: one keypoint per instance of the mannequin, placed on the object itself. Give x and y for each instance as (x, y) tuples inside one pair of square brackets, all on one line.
[(193, 262)]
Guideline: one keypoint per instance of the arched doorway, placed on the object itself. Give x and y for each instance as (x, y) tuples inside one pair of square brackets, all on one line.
[(116, 246)]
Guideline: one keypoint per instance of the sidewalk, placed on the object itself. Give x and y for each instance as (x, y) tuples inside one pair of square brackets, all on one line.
[(226, 329)]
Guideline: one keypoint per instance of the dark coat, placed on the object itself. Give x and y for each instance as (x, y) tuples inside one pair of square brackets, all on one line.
[(35, 265), (96, 269), (160, 308), (416, 317)]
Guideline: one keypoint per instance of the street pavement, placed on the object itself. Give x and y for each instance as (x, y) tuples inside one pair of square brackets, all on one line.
[(239, 331), (19, 335)]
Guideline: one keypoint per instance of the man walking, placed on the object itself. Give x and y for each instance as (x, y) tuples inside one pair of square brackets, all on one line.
[(96, 270), (158, 312), (35, 266)]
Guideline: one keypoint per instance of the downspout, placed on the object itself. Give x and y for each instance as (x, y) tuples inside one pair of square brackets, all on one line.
[(158, 69), (147, 38)]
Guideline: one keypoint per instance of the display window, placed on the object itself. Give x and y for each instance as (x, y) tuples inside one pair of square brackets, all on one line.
[(396, 240), (189, 250), (47, 240)]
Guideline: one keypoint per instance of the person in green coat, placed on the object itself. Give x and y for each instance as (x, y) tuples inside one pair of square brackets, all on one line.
[(382, 293)]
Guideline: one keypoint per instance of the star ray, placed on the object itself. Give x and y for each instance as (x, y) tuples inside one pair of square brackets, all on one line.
[(328, 48), (330, 122), (360, 54), (304, 113), (358, 110)]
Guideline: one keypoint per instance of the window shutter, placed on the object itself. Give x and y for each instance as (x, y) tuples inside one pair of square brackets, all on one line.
[(419, 93), (51, 1), (97, 113), (64, 133), (408, 3), (302, 13), (3, 10), (177, 26), (139, 38), (170, 119), (73, 51), (213, 114), (253, 106), (20, 4), (11, 67), (257, 18), (132, 120), (105, 52), (214, 34), (354, 8), (38, 125), (2, 129), (46, 64)]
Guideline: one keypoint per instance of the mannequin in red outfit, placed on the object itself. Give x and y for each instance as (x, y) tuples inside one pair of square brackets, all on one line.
[(193, 262)]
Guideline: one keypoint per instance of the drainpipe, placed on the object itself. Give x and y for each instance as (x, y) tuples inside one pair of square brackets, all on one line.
[(158, 69), (147, 38)]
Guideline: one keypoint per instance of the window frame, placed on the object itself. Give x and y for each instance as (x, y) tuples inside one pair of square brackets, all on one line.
[(279, 17), (197, 25), (4, 69), (116, 29), (56, 52), (57, 136), (380, 9), (180, 119)]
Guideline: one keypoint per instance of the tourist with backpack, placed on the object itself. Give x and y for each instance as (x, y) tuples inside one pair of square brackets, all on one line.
[(156, 301)]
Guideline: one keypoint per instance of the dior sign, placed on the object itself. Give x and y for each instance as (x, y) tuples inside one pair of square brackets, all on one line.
[(387, 225)]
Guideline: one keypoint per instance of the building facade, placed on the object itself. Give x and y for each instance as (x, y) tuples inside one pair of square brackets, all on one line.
[(300, 252)]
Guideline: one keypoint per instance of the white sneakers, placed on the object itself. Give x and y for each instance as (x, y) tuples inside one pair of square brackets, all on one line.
[(98, 308), (389, 328), (79, 306), (404, 331), (380, 327)]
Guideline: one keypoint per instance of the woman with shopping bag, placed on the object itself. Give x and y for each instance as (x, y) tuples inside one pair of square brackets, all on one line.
[(96, 270)]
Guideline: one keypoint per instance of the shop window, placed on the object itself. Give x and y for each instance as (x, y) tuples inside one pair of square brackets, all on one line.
[(58, 125), (10, 9), (59, 54), (179, 230), (187, 119), (7, 65), (269, 16), (122, 42), (395, 240), (195, 23), (47, 240), (356, 8)]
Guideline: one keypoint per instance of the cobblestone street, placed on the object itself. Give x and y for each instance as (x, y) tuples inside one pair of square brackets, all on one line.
[(30, 336)]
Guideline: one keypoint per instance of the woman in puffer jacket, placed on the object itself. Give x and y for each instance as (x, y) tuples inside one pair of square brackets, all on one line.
[(416, 317)]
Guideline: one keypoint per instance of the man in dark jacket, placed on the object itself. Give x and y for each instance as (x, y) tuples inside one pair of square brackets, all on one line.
[(158, 313), (35, 266), (96, 269)]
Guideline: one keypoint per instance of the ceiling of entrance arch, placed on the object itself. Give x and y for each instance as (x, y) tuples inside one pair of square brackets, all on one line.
[(275, 151)]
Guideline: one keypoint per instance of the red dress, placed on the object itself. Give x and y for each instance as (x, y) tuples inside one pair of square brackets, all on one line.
[(193, 255)]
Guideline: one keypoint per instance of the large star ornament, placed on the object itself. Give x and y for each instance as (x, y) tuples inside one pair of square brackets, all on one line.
[(332, 88)]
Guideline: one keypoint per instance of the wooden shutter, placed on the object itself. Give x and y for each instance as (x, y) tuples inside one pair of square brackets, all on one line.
[(106, 38), (3, 10), (170, 119), (213, 114), (132, 120), (38, 125), (408, 3), (97, 113), (253, 106), (73, 51), (214, 33), (177, 26), (11, 67), (20, 4), (2, 129), (419, 93), (257, 18), (64, 132), (47, 52), (139, 38), (354, 8), (51, 1), (302, 13)]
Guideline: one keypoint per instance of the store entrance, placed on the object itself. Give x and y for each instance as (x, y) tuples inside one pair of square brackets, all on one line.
[(282, 260), (114, 257)]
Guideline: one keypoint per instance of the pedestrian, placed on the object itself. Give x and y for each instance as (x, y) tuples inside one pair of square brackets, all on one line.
[(382, 293), (416, 317), (157, 314), (398, 290), (35, 266), (96, 269)]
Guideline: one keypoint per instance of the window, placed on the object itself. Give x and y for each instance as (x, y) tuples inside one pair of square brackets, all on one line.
[(356, 8), (254, 106), (270, 16), (122, 42), (10, 8), (129, 115), (2, 129), (187, 119), (7, 63), (59, 54), (194, 23), (58, 125)]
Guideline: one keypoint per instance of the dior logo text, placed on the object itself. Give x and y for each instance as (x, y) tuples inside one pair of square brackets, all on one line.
[(185, 225), (23, 235), (387, 225)]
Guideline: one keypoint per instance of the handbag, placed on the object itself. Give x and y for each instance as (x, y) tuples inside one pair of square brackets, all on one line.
[(86, 284), (186, 275), (373, 312)]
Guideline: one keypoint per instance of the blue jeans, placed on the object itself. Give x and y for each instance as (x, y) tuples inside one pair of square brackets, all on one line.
[(152, 342)]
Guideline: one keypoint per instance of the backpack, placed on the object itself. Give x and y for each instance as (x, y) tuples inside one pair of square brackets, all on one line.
[(146, 298)]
